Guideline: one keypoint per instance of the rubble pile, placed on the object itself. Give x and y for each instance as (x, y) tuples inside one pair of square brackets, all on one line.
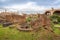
[(25, 21)]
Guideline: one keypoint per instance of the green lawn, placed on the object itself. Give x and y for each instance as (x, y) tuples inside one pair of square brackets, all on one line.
[(14, 34), (57, 25), (57, 28), (7, 33)]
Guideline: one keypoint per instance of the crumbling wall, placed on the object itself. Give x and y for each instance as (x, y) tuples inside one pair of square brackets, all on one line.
[(53, 11), (37, 21), (15, 18)]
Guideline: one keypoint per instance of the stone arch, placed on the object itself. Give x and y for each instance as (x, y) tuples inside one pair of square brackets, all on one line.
[(47, 13), (56, 12)]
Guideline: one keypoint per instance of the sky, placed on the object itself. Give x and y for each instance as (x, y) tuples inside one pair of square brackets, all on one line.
[(36, 5)]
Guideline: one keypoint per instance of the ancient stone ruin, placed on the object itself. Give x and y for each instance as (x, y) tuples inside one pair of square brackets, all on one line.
[(52, 11), (26, 22)]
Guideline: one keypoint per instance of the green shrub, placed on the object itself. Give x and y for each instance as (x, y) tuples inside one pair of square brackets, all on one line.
[(28, 19), (55, 19)]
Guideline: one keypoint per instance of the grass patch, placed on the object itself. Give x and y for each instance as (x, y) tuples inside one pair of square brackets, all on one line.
[(57, 25), (14, 34), (57, 30), (7, 33)]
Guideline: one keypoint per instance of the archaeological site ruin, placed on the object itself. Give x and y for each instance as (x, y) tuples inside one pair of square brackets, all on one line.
[(52, 11)]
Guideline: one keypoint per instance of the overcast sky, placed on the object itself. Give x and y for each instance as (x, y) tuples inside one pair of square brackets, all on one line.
[(30, 4)]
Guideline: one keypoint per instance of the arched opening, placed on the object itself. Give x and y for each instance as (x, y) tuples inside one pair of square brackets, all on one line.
[(57, 12), (47, 13)]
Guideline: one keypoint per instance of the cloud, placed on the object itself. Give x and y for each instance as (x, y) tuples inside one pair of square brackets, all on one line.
[(56, 2), (29, 6), (3, 0)]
